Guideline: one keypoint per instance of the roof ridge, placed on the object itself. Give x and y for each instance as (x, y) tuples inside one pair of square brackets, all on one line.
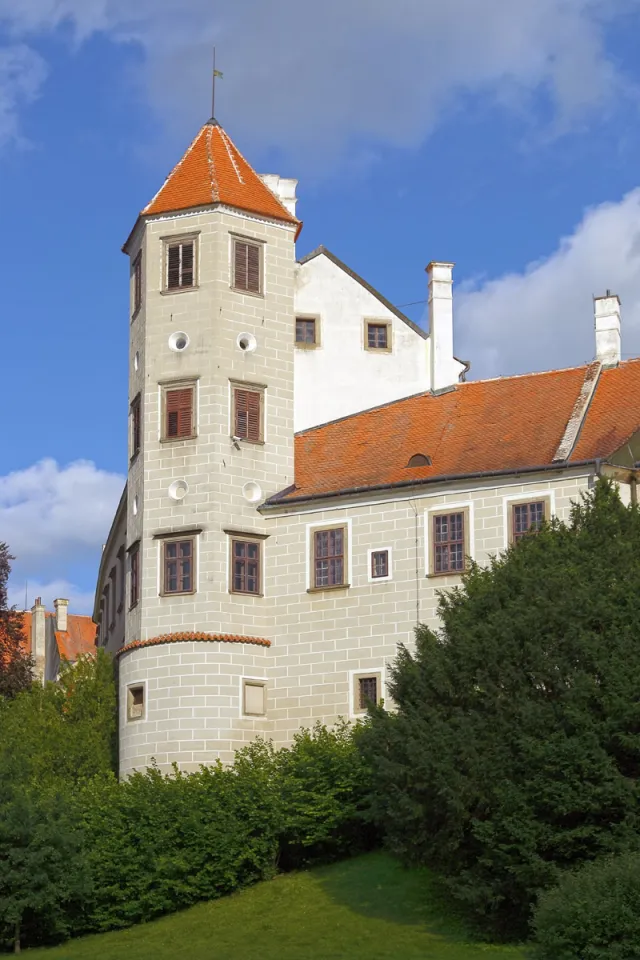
[(212, 170), (576, 418), (290, 216), (175, 167), (226, 141)]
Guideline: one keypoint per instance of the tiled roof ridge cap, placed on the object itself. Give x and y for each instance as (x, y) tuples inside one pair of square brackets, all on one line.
[(227, 143), (215, 196), (175, 168), (289, 216), (190, 637), (579, 412)]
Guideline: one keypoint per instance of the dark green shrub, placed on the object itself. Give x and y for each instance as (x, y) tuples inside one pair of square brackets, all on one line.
[(514, 752), (593, 913)]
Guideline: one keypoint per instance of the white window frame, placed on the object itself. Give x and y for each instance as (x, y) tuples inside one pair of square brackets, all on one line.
[(456, 507), (329, 525), (265, 683), (366, 672), (143, 718), (531, 497), (370, 576)]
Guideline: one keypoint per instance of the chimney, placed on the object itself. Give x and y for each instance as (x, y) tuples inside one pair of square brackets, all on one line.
[(283, 188), (444, 369), (61, 607), (39, 637), (607, 317)]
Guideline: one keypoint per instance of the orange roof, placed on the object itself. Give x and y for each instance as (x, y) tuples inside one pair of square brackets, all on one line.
[(485, 426), (214, 171), (78, 639)]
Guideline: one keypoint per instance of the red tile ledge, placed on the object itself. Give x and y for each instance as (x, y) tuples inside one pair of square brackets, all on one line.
[(187, 637)]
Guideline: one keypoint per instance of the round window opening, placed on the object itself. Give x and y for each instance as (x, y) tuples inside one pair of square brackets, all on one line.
[(178, 489), (178, 342), (252, 491), (247, 342)]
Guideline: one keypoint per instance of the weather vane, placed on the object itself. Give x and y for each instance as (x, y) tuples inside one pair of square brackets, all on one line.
[(216, 74)]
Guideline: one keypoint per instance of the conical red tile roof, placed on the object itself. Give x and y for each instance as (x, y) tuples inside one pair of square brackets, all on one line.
[(214, 171)]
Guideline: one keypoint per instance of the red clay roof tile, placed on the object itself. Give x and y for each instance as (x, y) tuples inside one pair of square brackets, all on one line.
[(214, 171), (80, 637), (511, 423), (190, 637)]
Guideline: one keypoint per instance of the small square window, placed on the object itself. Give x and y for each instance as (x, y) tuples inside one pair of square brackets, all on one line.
[(367, 689), (136, 426), (247, 266), (306, 331), (379, 564), (135, 702), (178, 566), (180, 265), (178, 417), (377, 336), (248, 414), (245, 566), (254, 698)]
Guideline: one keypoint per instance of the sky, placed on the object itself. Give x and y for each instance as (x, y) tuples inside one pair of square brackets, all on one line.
[(502, 135)]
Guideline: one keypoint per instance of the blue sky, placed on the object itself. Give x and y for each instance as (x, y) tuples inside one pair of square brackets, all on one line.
[(500, 134)]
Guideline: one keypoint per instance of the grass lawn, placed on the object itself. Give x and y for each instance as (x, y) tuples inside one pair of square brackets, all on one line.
[(368, 908)]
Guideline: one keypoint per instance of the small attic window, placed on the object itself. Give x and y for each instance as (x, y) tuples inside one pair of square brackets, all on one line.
[(419, 460)]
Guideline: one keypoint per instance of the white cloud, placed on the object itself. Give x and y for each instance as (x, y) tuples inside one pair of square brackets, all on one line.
[(314, 78), (52, 512), (80, 601), (543, 317), (22, 73)]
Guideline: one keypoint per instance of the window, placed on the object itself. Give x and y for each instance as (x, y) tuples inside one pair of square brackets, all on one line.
[(113, 594), (135, 702), (247, 266), (306, 332), (449, 543), (367, 688), (178, 420), (254, 698), (379, 564), (180, 259), (245, 566), (134, 575), (329, 567), (377, 336), (527, 517), (178, 566), (136, 426), (137, 283), (247, 414), (419, 460)]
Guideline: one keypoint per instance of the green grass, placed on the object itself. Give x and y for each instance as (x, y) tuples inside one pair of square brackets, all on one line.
[(368, 908)]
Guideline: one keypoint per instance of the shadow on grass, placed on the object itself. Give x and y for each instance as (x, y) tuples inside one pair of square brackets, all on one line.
[(378, 886)]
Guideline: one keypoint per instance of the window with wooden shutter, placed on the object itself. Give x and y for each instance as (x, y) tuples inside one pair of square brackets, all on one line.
[(178, 566), (179, 412), (247, 266), (245, 566), (137, 283), (136, 427), (247, 414), (329, 558), (134, 575), (180, 264)]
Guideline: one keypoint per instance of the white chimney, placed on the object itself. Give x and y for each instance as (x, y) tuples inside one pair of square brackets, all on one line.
[(39, 637), (283, 188), (607, 316), (61, 607), (445, 370)]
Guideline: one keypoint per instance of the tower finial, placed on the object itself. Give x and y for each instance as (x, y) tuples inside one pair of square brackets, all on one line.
[(216, 73)]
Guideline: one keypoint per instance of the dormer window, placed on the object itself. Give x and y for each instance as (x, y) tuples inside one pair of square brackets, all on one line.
[(419, 460)]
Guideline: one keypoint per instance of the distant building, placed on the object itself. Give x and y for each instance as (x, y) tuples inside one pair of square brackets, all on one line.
[(53, 637), (307, 469)]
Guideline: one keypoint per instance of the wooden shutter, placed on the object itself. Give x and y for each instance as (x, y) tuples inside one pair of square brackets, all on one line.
[(247, 415), (240, 265), (253, 268), (186, 277), (173, 266), (179, 413)]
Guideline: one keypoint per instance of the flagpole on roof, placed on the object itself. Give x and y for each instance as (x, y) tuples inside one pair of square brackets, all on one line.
[(213, 87)]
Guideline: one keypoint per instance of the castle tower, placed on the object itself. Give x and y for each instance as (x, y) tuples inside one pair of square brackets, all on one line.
[(210, 437)]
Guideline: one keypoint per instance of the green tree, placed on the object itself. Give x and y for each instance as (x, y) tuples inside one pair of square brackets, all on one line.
[(515, 749), (42, 865), (16, 663)]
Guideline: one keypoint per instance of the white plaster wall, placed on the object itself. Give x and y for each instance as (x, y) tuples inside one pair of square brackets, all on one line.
[(340, 377)]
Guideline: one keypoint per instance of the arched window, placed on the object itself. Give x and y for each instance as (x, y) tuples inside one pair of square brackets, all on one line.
[(419, 460)]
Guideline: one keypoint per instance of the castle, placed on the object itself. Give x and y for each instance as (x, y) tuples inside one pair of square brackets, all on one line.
[(308, 468)]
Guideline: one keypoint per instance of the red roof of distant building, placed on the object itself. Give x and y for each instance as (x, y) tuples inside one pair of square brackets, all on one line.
[(484, 426), (78, 639), (214, 171)]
